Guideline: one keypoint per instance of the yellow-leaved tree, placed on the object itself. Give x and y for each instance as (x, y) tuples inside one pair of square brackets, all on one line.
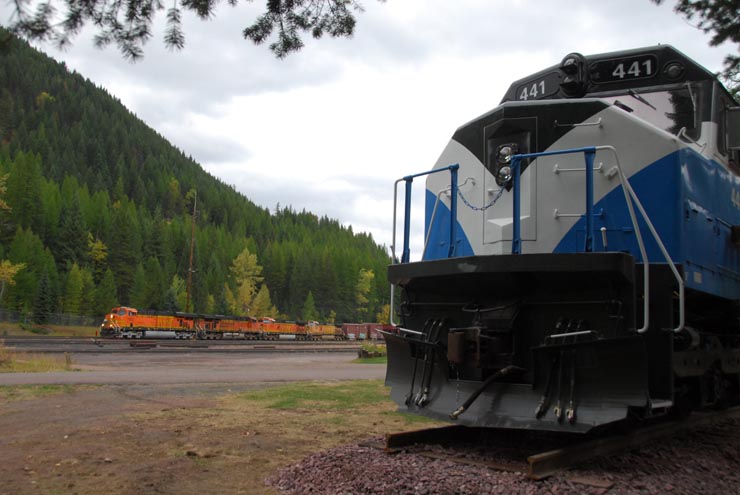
[(247, 275), (8, 270)]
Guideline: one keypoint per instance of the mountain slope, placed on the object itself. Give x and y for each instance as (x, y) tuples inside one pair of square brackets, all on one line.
[(101, 206)]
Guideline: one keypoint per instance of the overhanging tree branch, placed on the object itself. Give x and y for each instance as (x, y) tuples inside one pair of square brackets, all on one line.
[(720, 19), (128, 23)]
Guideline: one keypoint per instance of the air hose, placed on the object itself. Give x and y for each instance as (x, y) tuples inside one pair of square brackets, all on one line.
[(499, 374)]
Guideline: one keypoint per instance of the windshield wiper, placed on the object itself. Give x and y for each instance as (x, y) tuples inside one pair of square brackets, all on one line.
[(640, 99)]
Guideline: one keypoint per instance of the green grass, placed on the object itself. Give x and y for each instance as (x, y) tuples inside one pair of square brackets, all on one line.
[(24, 329), (20, 392), (12, 361), (321, 396), (327, 397), (372, 360), (374, 347)]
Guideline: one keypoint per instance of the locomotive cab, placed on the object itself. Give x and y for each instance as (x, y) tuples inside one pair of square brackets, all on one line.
[(578, 265)]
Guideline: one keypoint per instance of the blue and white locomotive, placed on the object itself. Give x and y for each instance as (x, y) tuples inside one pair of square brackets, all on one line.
[(582, 254)]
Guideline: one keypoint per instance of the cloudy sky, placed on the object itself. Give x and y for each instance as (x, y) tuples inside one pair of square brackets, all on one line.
[(330, 129)]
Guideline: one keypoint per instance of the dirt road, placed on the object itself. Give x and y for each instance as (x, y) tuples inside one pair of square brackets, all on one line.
[(145, 424)]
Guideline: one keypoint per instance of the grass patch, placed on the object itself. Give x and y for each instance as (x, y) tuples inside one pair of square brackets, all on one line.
[(372, 360), (374, 348), (346, 399), (320, 396), (269, 428), (12, 361), (26, 329), (23, 392)]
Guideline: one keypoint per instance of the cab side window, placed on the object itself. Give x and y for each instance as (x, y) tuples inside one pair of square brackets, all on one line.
[(732, 135), (728, 132)]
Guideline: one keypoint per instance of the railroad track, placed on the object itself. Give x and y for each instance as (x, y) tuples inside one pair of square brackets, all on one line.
[(522, 451), (97, 345)]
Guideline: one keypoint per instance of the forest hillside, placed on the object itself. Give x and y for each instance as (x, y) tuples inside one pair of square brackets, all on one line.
[(96, 210)]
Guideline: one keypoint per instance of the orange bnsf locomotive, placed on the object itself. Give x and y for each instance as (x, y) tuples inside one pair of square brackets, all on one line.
[(130, 323)]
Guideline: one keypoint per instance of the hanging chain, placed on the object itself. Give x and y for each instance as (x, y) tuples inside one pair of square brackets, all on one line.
[(499, 193)]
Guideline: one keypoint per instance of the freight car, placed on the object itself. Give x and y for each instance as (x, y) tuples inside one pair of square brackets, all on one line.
[(323, 331), (127, 322), (363, 331), (581, 263)]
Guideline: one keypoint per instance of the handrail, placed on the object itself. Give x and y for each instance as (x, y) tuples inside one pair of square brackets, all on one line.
[(589, 153), (406, 255), (629, 196), (409, 179), (434, 213), (516, 243)]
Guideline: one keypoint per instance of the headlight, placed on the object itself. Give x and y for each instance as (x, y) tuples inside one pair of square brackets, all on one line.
[(503, 176), (505, 152)]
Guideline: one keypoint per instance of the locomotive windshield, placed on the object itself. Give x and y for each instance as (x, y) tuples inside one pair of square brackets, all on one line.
[(679, 109)]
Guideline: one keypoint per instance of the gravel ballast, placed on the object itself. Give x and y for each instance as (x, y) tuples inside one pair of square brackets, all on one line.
[(703, 460)]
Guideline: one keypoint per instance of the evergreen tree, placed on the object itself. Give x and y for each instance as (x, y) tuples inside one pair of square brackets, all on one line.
[(285, 22), (123, 254), (73, 291), (88, 293), (261, 304), (24, 190), (97, 254), (309, 312), (26, 249), (72, 238), (69, 146), (363, 293), (43, 303), (155, 286), (139, 296), (105, 294), (176, 295)]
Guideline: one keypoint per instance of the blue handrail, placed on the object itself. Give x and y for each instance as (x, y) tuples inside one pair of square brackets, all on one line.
[(589, 153), (409, 179), (516, 244)]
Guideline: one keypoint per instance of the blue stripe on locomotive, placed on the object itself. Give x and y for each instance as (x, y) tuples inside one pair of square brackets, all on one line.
[(689, 201), (439, 240), (687, 198)]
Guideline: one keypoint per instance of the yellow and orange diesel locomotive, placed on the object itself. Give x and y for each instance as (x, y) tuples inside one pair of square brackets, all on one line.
[(130, 323)]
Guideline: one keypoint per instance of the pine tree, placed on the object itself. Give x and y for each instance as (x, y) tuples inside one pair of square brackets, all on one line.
[(72, 238), (24, 190), (139, 296), (105, 294), (43, 303), (309, 312), (261, 304), (176, 295), (124, 252), (73, 291), (88, 293)]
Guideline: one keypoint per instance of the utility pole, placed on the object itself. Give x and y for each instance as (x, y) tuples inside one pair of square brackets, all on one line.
[(192, 246)]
